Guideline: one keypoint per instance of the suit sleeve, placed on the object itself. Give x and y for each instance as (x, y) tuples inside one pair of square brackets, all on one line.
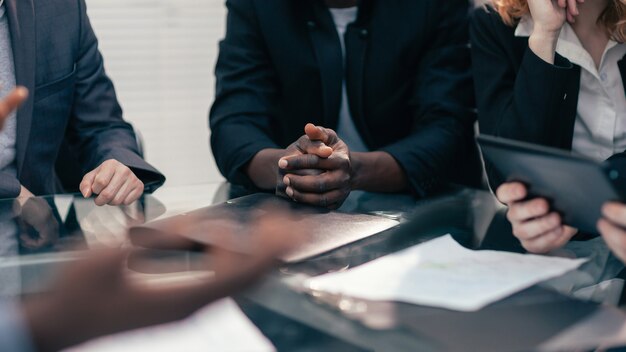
[(522, 104), (96, 128), (442, 100), (242, 115)]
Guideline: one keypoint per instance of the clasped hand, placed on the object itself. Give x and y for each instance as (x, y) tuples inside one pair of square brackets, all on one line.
[(316, 169)]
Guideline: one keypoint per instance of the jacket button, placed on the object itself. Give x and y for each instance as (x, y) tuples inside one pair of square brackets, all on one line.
[(311, 24), (364, 33)]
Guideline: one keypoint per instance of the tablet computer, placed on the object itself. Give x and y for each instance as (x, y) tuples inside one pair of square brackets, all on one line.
[(575, 186)]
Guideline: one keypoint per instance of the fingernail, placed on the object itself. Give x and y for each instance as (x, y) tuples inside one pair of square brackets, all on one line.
[(283, 163), (289, 191), (286, 181)]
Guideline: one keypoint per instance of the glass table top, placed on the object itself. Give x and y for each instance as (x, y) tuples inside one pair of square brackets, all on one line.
[(44, 232)]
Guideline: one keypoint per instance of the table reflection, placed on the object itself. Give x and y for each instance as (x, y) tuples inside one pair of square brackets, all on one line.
[(37, 234)]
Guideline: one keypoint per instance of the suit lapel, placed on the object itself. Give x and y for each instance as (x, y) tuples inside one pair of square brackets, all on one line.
[(23, 37), (329, 59)]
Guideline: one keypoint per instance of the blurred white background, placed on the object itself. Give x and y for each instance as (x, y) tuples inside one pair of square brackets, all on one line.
[(161, 55)]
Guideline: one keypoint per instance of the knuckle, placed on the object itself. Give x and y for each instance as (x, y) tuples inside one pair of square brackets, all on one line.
[(107, 194), (100, 181), (321, 184)]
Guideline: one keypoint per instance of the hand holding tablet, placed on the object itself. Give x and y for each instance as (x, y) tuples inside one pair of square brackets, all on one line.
[(539, 228), (547, 188)]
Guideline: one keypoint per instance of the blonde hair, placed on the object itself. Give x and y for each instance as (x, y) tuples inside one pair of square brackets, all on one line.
[(614, 17)]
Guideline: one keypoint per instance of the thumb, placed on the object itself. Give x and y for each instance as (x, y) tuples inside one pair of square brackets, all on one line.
[(316, 133), (87, 182)]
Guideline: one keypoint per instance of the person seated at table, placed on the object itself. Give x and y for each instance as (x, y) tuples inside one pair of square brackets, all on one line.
[(49, 47), (551, 73), (97, 298), (385, 85)]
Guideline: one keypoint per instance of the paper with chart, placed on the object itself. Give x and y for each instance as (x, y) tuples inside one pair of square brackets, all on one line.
[(221, 326), (442, 273)]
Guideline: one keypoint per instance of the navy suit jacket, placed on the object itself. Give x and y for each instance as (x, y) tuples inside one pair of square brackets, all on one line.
[(407, 72), (72, 100)]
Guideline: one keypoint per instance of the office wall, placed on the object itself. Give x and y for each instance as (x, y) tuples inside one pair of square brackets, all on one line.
[(161, 54)]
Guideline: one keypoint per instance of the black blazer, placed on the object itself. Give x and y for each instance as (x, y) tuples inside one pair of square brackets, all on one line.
[(407, 72), (520, 96), (72, 100)]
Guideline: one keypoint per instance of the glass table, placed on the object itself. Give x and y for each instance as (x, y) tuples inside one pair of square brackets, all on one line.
[(576, 311)]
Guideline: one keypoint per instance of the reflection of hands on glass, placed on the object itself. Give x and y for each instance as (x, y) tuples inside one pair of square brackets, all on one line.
[(39, 228), (97, 297), (613, 228), (114, 184), (107, 225), (328, 155), (539, 229)]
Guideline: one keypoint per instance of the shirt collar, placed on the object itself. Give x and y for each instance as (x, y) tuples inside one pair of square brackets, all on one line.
[(525, 27)]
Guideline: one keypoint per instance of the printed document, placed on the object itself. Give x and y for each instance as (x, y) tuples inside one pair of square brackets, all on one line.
[(442, 273), (221, 326)]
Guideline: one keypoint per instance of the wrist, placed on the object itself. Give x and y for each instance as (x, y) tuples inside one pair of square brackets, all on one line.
[(543, 43), (356, 170), (263, 168)]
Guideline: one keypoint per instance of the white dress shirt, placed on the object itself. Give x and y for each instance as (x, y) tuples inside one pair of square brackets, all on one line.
[(346, 129), (600, 128)]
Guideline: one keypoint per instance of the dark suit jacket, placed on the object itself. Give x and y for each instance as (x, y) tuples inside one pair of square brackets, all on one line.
[(72, 100), (520, 96), (407, 74)]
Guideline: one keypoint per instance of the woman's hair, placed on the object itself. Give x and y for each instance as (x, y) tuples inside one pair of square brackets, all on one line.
[(614, 17)]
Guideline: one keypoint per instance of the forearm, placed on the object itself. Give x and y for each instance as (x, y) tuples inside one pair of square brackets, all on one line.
[(377, 172), (263, 168), (543, 44)]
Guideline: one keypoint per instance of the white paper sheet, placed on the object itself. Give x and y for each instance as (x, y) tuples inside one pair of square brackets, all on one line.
[(442, 273), (221, 326)]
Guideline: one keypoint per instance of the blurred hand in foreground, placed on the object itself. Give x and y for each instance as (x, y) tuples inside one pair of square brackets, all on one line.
[(96, 296)]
